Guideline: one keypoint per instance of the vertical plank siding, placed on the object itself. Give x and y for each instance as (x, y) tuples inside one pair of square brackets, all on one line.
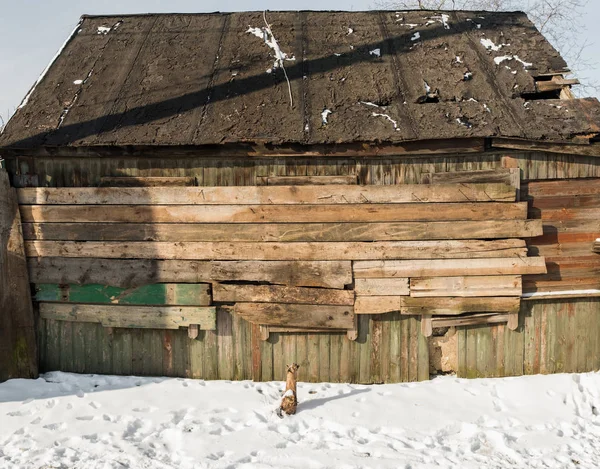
[(553, 336)]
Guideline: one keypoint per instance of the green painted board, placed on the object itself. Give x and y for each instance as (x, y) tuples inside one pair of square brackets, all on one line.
[(192, 294)]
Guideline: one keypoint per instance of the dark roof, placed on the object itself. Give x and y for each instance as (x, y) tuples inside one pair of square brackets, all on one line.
[(201, 79)]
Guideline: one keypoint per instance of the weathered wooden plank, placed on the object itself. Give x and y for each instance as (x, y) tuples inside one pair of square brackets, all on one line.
[(493, 285), (279, 251), (448, 268), (161, 182), (18, 347), (332, 317), (563, 187), (129, 273), (292, 232), (273, 213), (451, 306), (156, 294), (470, 320), (570, 214), (381, 286), (377, 304), (310, 180), (259, 195), (565, 201), (557, 237), (559, 250), (165, 317), (499, 175), (281, 294)]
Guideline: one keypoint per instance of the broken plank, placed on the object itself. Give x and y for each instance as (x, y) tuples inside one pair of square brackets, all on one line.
[(128, 273), (376, 304), (197, 294), (273, 213), (279, 251), (258, 195), (470, 320), (493, 285), (146, 317), (451, 306), (309, 316), (281, 294), (381, 286), (284, 232), (449, 268)]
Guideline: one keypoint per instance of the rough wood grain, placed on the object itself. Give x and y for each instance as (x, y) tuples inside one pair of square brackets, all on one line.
[(498, 175), (376, 304), (129, 273), (281, 294), (309, 316), (449, 268), (471, 320), (273, 213), (381, 286), (493, 285), (310, 180), (149, 317), (258, 195), (455, 249), (155, 181), (288, 232), (451, 306), (562, 187)]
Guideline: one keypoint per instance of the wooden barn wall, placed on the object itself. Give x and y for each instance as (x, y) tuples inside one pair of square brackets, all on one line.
[(554, 335)]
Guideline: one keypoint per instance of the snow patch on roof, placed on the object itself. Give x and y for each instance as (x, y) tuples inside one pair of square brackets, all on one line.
[(269, 39), (489, 44), (499, 60), (324, 115), (376, 52)]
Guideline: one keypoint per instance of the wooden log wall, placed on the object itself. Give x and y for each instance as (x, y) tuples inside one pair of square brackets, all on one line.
[(390, 347)]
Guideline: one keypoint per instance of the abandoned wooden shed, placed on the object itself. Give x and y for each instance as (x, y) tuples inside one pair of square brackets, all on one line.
[(372, 195)]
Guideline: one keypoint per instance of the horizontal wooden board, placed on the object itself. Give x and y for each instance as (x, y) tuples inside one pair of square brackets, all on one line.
[(470, 320), (129, 181), (185, 294), (273, 213), (129, 273), (381, 286), (144, 317), (304, 330), (284, 232), (565, 201), (278, 251), (563, 187), (583, 249), (493, 285), (281, 294), (449, 268), (259, 195), (310, 180), (561, 238), (567, 214), (309, 316), (499, 175), (451, 306), (571, 226), (377, 304)]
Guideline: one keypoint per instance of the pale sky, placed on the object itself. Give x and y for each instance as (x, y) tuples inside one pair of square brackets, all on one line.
[(31, 31)]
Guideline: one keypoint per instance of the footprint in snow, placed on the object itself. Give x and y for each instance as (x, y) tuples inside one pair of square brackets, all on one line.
[(36, 421), (95, 405), (85, 417), (56, 426), (50, 403), (361, 399)]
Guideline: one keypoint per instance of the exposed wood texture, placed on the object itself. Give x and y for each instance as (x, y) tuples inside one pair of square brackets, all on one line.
[(193, 294), (471, 320), (280, 251), (149, 317), (592, 149), (331, 317), (310, 180), (129, 273), (279, 195), (377, 304), (451, 306), (145, 182), (381, 286), (281, 294), (596, 247), (273, 213), (493, 285), (18, 350), (284, 232), (449, 268), (498, 176)]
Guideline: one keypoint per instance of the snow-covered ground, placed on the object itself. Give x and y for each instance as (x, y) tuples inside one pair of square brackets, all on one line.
[(79, 421)]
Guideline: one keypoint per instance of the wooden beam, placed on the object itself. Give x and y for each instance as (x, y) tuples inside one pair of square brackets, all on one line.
[(381, 286), (273, 213), (281, 294), (18, 347), (183, 294), (279, 251), (309, 316), (563, 187), (592, 149), (555, 84), (261, 195), (310, 180), (449, 268), (162, 182), (451, 306), (484, 176), (129, 273), (284, 232), (426, 325), (493, 285), (377, 304), (145, 317), (471, 320)]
